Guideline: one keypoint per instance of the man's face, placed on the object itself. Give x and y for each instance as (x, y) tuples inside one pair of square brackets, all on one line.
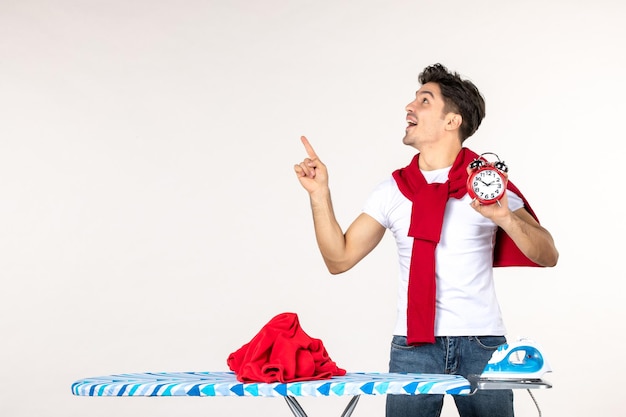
[(425, 116)]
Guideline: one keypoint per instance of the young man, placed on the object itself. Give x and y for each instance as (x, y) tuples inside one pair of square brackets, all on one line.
[(449, 320)]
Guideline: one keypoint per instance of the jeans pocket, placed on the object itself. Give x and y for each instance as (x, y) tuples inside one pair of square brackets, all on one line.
[(490, 343), (399, 343)]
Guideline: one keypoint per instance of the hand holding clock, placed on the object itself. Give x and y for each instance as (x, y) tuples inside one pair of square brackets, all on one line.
[(495, 212)]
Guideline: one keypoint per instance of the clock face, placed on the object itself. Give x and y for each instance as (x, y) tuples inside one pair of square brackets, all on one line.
[(487, 185)]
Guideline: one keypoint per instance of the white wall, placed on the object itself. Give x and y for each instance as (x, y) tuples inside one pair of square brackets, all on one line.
[(150, 219)]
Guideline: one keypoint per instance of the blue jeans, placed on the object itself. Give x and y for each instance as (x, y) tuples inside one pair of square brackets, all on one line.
[(463, 355)]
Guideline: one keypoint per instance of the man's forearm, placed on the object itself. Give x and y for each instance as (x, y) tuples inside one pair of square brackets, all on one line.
[(330, 237), (533, 240)]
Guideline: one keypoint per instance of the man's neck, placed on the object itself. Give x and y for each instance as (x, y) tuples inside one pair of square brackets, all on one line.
[(436, 157)]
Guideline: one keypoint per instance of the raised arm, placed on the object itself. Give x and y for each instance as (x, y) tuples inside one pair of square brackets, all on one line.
[(340, 251), (530, 237)]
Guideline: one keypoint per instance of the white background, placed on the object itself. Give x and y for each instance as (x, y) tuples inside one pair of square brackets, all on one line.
[(150, 219)]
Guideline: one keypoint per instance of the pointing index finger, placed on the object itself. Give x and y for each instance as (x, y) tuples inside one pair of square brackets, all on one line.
[(308, 147)]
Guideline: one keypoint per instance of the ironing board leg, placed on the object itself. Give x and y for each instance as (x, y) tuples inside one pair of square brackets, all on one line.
[(298, 411), (351, 406), (295, 407)]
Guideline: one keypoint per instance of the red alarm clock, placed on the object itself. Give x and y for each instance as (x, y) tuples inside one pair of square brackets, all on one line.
[(487, 180)]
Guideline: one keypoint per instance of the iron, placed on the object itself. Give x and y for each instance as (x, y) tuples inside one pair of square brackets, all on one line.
[(520, 360)]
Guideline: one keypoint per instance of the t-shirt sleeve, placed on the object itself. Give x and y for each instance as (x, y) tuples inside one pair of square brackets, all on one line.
[(515, 202), (376, 203)]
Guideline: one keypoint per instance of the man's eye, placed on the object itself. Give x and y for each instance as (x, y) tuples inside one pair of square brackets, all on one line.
[(424, 100)]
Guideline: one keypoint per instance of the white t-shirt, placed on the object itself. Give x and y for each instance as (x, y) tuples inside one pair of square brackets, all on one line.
[(466, 297)]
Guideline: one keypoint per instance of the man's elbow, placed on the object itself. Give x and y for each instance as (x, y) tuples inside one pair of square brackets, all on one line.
[(336, 268), (550, 259), (554, 260)]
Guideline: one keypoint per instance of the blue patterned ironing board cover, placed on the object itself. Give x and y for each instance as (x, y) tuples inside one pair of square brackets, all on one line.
[(214, 384)]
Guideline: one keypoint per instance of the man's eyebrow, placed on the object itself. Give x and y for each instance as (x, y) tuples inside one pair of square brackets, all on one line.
[(425, 92)]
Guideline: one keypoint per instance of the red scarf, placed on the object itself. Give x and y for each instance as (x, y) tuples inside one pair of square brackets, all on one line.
[(429, 204)]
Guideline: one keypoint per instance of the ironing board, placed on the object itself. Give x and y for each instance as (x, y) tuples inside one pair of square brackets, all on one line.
[(355, 384), (216, 384)]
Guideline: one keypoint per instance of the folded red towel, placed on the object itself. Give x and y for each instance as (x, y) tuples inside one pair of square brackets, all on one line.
[(282, 352)]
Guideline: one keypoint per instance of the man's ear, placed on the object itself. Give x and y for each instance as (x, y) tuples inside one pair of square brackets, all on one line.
[(453, 121)]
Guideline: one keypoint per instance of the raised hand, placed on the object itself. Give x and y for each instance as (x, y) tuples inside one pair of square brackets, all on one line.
[(311, 172)]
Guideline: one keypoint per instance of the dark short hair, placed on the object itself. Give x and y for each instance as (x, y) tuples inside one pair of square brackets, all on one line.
[(460, 96)]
